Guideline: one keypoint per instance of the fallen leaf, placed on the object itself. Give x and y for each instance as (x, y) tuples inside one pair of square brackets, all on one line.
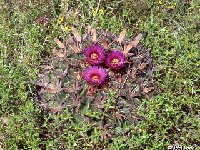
[(44, 105), (44, 20), (5, 120), (57, 109), (133, 94), (136, 116), (60, 44), (142, 66), (92, 90), (46, 67), (106, 135), (65, 72), (58, 53), (67, 41), (132, 44), (134, 75), (75, 101), (73, 45), (78, 77), (70, 90), (147, 90), (119, 116), (94, 35), (53, 90), (121, 36), (84, 36), (39, 83), (75, 48), (87, 33), (89, 29), (76, 34), (104, 42)]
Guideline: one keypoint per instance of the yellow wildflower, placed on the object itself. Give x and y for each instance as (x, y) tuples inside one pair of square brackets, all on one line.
[(68, 28), (160, 2), (94, 11), (171, 7), (60, 20), (101, 11)]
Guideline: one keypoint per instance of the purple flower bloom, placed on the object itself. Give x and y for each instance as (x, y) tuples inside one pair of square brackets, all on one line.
[(95, 75), (115, 60), (94, 54)]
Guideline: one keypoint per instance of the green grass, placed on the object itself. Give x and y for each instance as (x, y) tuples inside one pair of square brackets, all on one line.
[(172, 33)]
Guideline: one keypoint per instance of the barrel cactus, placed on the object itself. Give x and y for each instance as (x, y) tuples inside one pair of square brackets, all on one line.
[(99, 78)]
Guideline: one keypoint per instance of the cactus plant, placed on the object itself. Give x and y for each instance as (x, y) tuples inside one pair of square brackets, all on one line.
[(99, 78)]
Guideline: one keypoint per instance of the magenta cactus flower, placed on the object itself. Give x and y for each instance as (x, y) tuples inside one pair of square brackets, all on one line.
[(94, 54), (115, 60), (95, 75)]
